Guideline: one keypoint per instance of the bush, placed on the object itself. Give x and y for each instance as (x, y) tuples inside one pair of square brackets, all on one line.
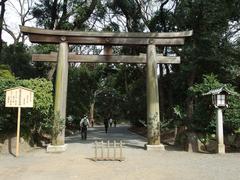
[(36, 122), (204, 116), (7, 122)]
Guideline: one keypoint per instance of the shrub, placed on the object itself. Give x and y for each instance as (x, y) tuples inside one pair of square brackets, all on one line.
[(204, 116), (36, 122)]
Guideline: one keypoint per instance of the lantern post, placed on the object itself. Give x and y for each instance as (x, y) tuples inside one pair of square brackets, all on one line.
[(219, 100)]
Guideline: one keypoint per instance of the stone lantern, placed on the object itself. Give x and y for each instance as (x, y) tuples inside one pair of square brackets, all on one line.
[(219, 100)]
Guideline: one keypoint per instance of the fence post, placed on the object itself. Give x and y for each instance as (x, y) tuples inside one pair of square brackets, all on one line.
[(95, 150), (120, 150), (108, 149), (114, 149), (102, 149)]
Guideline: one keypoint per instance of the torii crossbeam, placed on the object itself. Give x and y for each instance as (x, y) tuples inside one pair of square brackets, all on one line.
[(74, 58), (37, 35)]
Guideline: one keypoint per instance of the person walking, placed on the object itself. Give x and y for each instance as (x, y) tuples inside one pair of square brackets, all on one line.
[(110, 122), (115, 123), (106, 124), (84, 123)]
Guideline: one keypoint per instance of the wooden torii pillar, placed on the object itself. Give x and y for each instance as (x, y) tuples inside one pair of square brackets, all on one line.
[(61, 91), (108, 39)]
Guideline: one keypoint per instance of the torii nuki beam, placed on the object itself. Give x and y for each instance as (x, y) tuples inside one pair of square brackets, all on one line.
[(72, 57)]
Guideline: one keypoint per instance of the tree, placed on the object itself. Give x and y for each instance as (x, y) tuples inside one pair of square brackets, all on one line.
[(56, 15), (21, 8), (2, 3), (36, 122), (201, 54), (86, 83), (5, 72), (204, 116), (17, 57)]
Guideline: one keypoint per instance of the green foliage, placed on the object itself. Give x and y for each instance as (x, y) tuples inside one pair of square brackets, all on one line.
[(210, 82), (5, 72), (232, 115), (209, 50), (42, 68), (92, 84), (69, 15), (40, 119), (114, 90), (135, 105), (7, 122), (45, 12), (35, 122), (84, 81), (131, 11), (204, 117), (18, 59), (44, 48), (179, 115)]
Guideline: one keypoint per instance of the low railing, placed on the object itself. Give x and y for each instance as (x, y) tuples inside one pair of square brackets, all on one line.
[(107, 151)]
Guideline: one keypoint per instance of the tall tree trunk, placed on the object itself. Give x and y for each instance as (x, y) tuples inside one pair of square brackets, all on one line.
[(189, 100), (161, 93), (53, 25), (169, 89), (54, 14), (1, 24), (125, 80), (64, 16), (189, 109), (87, 13), (92, 105), (51, 72)]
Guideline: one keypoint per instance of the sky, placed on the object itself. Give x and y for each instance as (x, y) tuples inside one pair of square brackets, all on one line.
[(12, 20)]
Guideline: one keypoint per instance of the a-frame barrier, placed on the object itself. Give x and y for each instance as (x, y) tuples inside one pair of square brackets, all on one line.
[(108, 39)]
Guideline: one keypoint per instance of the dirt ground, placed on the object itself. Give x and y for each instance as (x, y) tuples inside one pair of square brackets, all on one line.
[(139, 164)]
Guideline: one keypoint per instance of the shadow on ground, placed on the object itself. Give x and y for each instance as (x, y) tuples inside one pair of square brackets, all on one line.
[(120, 133)]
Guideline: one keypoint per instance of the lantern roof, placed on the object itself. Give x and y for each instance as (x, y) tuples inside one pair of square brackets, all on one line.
[(220, 90)]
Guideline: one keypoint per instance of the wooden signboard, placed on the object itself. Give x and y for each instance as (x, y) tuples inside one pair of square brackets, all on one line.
[(19, 97)]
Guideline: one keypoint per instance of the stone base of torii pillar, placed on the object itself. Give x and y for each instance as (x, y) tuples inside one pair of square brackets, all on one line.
[(159, 147), (56, 148)]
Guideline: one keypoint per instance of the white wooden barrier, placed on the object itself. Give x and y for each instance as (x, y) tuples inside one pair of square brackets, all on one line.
[(107, 151)]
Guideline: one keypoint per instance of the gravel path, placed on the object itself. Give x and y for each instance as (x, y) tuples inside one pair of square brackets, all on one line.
[(76, 162)]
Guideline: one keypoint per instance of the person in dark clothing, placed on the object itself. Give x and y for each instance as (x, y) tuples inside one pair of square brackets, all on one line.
[(106, 124), (84, 123)]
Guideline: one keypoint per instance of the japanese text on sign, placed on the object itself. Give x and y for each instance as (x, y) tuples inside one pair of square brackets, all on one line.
[(19, 97)]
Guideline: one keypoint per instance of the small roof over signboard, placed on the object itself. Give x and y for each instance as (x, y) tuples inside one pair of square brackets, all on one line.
[(19, 87), (220, 90)]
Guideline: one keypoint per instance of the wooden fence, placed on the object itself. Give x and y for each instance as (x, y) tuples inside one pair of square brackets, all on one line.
[(107, 151)]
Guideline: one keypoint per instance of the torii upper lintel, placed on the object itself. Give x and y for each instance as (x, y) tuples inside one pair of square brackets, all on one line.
[(37, 35)]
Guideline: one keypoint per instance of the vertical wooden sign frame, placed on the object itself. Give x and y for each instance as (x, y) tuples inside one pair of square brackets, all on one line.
[(19, 97)]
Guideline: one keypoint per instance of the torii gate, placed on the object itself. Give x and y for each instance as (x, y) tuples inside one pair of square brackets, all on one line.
[(108, 39)]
